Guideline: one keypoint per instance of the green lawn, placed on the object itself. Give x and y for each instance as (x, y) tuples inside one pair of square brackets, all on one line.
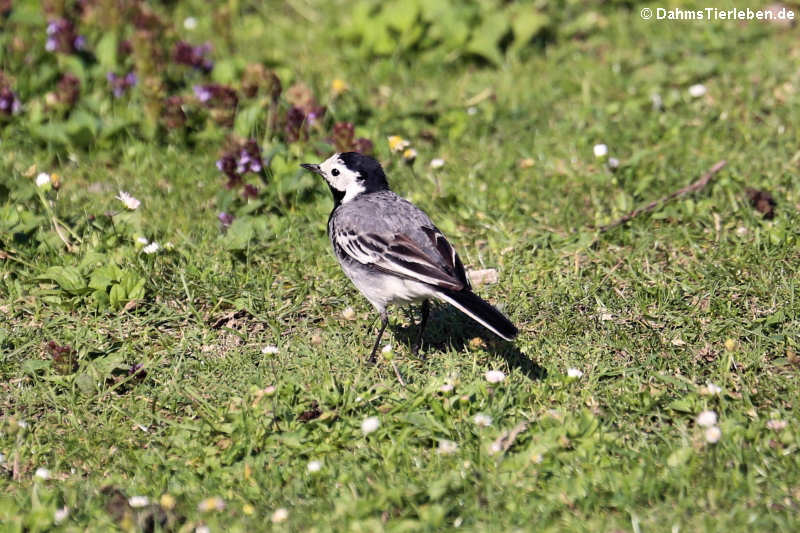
[(690, 308)]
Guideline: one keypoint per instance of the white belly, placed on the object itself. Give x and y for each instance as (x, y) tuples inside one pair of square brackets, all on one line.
[(382, 290)]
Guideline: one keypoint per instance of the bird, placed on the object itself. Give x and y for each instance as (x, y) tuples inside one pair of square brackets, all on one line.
[(392, 251)]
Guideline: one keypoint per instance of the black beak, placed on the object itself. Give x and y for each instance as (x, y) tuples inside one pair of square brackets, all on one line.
[(313, 168)]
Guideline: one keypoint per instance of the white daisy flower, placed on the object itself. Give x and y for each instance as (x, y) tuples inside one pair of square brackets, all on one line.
[(437, 163), (494, 376), (574, 373), (190, 23), (138, 501), (280, 515), (600, 150), (214, 503), (697, 90), (60, 515), (42, 473), (713, 389), (129, 201), (370, 424), (713, 434), (482, 420), (269, 350), (447, 447), (447, 387), (151, 248), (397, 143), (707, 419), (42, 179), (776, 425), (314, 466)]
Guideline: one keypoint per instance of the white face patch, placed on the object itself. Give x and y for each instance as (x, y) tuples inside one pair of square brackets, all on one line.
[(341, 178)]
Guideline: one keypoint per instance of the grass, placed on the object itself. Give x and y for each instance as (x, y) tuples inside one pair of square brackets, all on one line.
[(702, 291)]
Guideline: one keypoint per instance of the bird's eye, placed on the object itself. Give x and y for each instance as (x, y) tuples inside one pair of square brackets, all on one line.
[(335, 171)]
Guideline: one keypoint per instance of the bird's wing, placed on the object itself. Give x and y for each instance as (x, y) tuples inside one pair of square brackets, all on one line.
[(398, 254)]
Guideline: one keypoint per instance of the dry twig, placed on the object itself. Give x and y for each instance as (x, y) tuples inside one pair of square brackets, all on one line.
[(696, 186)]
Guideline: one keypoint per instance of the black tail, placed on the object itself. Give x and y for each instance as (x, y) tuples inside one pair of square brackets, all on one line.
[(481, 311)]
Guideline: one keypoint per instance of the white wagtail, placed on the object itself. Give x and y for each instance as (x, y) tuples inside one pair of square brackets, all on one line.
[(392, 251)]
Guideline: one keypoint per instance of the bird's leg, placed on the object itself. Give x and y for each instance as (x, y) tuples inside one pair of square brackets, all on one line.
[(384, 323), (426, 311)]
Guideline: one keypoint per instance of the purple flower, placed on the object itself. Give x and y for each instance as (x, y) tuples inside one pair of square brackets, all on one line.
[(250, 191), (295, 119), (61, 37), (216, 96), (202, 93), (225, 219), (363, 146), (343, 133), (9, 103), (120, 84), (193, 56)]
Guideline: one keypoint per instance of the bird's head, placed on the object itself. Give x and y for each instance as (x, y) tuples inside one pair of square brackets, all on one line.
[(349, 174)]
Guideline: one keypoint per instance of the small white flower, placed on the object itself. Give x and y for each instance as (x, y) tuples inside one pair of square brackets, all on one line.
[(494, 376), (214, 503), (482, 420), (190, 23), (314, 466), (386, 349), (437, 163), (600, 150), (776, 425), (713, 389), (349, 313), (202, 529), (42, 473), (409, 154), (574, 372), (269, 350), (447, 387), (713, 434), (472, 110), (657, 102), (138, 501), (22, 423), (142, 240), (707, 419), (697, 90), (613, 163), (370, 424), (129, 201), (280, 515), (151, 248), (397, 143), (60, 515), (447, 447), (42, 179)]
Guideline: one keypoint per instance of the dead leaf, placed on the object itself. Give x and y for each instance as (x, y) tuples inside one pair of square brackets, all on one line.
[(486, 276), (762, 201), (506, 439)]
